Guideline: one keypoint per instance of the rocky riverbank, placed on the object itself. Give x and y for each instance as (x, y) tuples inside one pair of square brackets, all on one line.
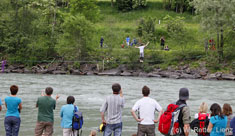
[(180, 72)]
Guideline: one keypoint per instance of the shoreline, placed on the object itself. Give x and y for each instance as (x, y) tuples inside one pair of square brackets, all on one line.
[(181, 72)]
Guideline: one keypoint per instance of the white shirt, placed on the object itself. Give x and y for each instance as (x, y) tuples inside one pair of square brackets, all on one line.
[(147, 107), (141, 49)]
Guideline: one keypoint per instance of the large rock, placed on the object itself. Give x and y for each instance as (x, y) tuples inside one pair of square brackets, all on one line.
[(187, 76), (154, 75), (143, 74), (59, 72), (42, 71), (126, 73), (27, 71), (228, 77), (210, 77), (112, 72), (88, 67)]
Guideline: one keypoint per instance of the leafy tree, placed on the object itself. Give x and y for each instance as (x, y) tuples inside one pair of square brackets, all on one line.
[(146, 29), (86, 7), (76, 39), (216, 16)]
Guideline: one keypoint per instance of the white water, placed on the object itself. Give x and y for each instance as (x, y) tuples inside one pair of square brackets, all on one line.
[(90, 92)]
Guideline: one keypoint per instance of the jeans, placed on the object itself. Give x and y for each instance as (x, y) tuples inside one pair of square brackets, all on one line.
[(110, 128), (12, 125)]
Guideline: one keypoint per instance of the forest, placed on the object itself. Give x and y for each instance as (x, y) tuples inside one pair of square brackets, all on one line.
[(43, 31)]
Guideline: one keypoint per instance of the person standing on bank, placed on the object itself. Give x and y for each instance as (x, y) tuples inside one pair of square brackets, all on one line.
[(184, 116), (142, 51), (101, 42), (146, 108), (113, 106), (12, 118), (162, 42), (46, 104), (66, 113)]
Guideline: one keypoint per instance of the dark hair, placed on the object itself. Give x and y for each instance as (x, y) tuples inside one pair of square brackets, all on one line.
[(145, 91), (49, 91), (70, 100), (227, 109), (14, 89), (116, 87), (216, 110)]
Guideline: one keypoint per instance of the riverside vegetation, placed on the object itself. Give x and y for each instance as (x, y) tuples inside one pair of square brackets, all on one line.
[(41, 34)]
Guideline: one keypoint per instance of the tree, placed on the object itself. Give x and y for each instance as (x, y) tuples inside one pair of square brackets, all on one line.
[(216, 16), (76, 39)]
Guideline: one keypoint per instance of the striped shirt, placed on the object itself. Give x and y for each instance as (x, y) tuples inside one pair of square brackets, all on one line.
[(113, 106)]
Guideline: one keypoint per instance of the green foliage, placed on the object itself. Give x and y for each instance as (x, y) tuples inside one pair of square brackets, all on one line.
[(127, 5), (124, 5), (75, 41), (179, 6), (146, 29), (86, 7)]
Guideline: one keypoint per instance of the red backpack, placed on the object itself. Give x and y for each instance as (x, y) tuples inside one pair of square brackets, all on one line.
[(200, 124), (168, 123)]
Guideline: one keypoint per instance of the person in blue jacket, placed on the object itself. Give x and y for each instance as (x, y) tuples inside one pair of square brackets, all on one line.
[(66, 114)]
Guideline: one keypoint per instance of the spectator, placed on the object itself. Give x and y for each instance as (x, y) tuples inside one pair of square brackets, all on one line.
[(93, 133), (101, 42), (113, 105), (0, 105), (166, 48), (66, 113), (12, 119), (218, 121), (146, 108), (227, 111), (45, 120), (184, 117), (127, 40), (162, 42)]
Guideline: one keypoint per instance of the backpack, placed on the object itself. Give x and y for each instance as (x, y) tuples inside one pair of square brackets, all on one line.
[(200, 124), (77, 121), (168, 123)]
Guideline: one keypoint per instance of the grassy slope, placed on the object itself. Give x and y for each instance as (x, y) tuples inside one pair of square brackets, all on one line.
[(114, 26)]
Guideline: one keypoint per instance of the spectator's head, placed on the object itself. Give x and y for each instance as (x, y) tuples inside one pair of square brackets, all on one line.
[(14, 89), (93, 133), (227, 109), (49, 91), (145, 91), (183, 94), (116, 88), (70, 100), (203, 108), (216, 110)]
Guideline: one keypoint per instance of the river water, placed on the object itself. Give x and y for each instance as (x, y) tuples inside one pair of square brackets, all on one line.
[(90, 93)]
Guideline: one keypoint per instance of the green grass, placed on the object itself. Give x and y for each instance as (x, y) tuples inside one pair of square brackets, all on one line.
[(115, 26)]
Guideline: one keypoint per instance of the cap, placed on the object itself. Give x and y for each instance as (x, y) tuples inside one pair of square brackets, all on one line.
[(183, 94)]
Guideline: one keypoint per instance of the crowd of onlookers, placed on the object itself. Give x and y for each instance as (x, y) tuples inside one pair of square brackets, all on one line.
[(219, 122)]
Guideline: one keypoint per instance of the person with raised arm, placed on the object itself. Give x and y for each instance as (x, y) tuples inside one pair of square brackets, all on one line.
[(45, 104), (142, 51)]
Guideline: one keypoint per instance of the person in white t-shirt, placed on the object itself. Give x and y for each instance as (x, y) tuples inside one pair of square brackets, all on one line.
[(142, 51), (146, 108)]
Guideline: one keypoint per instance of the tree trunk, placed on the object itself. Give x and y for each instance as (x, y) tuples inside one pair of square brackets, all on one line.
[(111, 3), (221, 43)]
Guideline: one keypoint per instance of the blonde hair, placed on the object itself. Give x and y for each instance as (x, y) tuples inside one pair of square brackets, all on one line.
[(203, 108), (93, 133)]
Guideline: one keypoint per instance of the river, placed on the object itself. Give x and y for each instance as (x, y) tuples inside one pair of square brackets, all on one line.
[(90, 93)]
